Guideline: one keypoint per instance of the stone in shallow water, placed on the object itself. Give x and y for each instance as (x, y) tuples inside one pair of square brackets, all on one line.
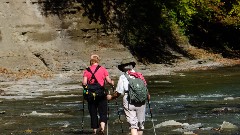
[(170, 123), (2, 112), (35, 113), (228, 125)]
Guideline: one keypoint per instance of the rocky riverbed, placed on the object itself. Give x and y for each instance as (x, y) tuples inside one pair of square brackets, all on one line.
[(30, 84)]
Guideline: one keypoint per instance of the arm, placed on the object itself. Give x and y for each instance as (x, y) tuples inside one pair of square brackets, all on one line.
[(109, 80), (118, 91), (84, 82), (113, 96)]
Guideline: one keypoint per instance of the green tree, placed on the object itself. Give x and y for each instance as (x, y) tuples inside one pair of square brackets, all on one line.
[(152, 29), (211, 24)]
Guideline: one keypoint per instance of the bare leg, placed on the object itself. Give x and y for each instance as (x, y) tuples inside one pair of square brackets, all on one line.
[(140, 132), (94, 131), (134, 131), (102, 124)]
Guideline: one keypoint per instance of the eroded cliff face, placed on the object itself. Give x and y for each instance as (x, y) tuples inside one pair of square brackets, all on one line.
[(30, 40)]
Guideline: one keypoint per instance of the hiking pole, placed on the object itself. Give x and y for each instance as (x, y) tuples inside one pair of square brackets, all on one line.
[(150, 110), (82, 114), (119, 116), (108, 112)]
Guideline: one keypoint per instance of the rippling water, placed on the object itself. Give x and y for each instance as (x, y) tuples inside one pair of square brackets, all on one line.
[(206, 97)]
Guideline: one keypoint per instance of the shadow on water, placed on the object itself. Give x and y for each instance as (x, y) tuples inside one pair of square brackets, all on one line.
[(205, 97)]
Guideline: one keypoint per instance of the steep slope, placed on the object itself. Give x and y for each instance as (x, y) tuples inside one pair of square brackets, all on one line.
[(31, 41)]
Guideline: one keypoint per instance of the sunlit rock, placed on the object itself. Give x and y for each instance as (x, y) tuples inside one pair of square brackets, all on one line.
[(170, 123), (186, 128), (35, 113), (229, 98), (228, 125), (189, 133)]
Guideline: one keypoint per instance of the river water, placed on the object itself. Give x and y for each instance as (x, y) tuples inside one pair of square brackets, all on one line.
[(203, 100)]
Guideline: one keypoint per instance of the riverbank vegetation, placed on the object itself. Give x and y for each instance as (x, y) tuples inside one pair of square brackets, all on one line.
[(160, 31)]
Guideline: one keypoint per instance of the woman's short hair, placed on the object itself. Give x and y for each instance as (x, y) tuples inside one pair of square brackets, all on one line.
[(94, 59)]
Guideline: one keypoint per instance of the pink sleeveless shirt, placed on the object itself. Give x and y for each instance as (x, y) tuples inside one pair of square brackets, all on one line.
[(100, 75)]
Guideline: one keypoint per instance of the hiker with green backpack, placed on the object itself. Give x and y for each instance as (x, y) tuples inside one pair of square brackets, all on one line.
[(94, 78), (133, 87)]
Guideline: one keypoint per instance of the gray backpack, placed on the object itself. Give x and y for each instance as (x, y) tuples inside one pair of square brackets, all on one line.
[(137, 90)]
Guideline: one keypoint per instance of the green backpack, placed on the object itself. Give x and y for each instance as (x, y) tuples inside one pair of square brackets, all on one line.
[(137, 90)]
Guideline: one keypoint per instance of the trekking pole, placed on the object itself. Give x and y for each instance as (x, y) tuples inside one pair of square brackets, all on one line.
[(150, 110), (82, 114), (108, 112), (119, 116)]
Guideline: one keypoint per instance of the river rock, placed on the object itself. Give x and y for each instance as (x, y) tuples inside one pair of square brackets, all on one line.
[(170, 123), (35, 113), (229, 98), (225, 109), (186, 128), (2, 112), (228, 125), (189, 133), (193, 126), (2, 93)]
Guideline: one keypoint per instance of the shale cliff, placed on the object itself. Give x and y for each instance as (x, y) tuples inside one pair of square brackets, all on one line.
[(31, 41)]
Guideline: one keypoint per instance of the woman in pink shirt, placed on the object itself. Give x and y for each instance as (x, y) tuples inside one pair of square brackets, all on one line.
[(97, 104)]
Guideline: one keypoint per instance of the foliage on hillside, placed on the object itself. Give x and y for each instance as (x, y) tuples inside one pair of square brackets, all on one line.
[(212, 24), (160, 31)]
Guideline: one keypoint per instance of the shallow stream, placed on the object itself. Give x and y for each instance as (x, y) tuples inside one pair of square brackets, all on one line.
[(202, 98)]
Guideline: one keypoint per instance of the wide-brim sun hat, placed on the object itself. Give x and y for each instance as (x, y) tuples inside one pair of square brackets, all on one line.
[(125, 62)]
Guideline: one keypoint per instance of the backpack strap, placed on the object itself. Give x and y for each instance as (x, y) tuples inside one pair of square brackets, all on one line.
[(128, 78), (126, 75), (93, 76)]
